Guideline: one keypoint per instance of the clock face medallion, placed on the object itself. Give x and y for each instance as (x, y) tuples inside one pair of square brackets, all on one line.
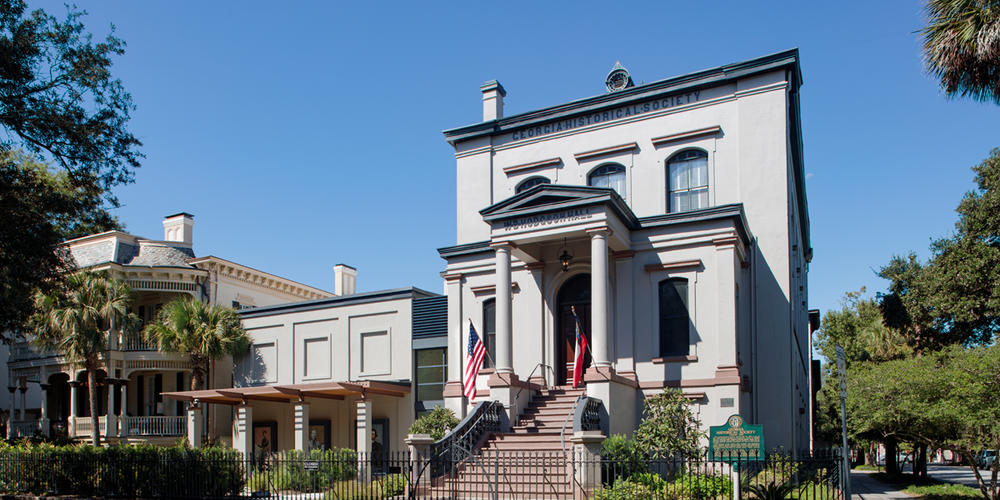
[(617, 80)]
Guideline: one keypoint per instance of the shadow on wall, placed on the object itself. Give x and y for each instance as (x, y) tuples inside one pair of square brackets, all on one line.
[(250, 370)]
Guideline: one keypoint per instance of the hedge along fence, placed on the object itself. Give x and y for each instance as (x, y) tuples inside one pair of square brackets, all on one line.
[(121, 471)]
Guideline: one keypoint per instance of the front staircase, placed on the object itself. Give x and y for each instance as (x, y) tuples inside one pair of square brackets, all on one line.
[(527, 462)]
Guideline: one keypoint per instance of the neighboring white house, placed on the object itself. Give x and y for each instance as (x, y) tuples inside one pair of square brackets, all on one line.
[(50, 395), (671, 216), (351, 371)]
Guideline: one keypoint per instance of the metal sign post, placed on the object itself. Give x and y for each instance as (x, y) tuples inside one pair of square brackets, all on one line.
[(842, 369)]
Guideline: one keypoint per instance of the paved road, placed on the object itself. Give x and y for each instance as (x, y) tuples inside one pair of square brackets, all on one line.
[(960, 474)]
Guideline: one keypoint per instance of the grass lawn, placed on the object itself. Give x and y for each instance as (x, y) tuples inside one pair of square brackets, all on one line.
[(943, 491), (931, 490)]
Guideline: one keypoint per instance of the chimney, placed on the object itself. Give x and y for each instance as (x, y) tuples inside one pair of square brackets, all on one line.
[(493, 94), (178, 227), (345, 279)]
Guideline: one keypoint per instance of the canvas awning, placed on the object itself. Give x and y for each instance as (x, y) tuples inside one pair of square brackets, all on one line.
[(291, 392)]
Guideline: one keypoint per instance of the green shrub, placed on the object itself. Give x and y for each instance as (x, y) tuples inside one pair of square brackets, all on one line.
[(702, 486), (622, 458), (389, 486), (126, 471), (770, 491), (288, 471), (437, 423), (623, 489)]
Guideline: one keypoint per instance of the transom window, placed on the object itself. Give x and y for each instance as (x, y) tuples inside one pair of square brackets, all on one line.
[(611, 176), (530, 183), (687, 180), (674, 318)]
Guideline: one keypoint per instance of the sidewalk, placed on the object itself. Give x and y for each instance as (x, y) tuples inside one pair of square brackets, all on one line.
[(866, 487)]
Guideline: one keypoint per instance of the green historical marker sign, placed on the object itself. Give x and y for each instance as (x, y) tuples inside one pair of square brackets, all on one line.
[(736, 440)]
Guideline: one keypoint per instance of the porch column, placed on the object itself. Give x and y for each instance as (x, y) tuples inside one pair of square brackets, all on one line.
[(123, 428), (599, 297), (194, 424), (43, 422), (111, 429), (364, 417), (24, 403), (504, 334), (454, 399), (243, 430), (74, 392), (10, 414), (302, 426)]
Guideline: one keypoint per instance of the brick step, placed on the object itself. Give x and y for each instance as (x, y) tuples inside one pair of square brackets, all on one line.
[(534, 485), (525, 446), (551, 407), (538, 437), (536, 427), (547, 416)]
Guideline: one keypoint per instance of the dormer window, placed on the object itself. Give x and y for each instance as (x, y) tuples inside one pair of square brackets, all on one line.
[(687, 179), (611, 175), (530, 182)]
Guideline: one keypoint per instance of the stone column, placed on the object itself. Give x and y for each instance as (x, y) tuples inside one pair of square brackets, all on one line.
[(74, 392), (301, 409), (243, 431), (453, 394), (599, 297), (123, 428), (43, 422), (420, 455), (503, 320), (194, 424), (587, 462), (111, 429), (10, 414), (364, 436)]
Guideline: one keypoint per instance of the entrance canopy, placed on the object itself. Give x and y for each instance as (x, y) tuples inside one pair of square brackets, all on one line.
[(291, 393)]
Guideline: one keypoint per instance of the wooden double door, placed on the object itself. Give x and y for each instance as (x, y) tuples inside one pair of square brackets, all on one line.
[(574, 295)]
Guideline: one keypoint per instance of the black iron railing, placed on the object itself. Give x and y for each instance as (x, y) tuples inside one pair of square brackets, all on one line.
[(345, 474), (486, 419), (588, 414)]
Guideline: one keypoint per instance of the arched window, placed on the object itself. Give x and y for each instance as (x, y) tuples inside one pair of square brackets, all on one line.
[(611, 176), (687, 179), (674, 318), (531, 182), (490, 331)]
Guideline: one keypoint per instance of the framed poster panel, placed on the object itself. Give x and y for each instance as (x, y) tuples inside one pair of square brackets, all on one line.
[(319, 434), (265, 436)]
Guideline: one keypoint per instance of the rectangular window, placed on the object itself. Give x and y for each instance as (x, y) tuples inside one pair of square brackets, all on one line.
[(430, 367), (489, 332), (674, 318)]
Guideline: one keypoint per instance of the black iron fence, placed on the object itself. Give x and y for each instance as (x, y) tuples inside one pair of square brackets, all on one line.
[(344, 474)]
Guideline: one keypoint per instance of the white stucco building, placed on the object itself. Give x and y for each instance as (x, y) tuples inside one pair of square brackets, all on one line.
[(351, 371), (672, 216), (48, 394)]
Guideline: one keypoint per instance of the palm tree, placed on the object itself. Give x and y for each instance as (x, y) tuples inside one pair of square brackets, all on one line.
[(77, 322), (203, 332), (962, 47)]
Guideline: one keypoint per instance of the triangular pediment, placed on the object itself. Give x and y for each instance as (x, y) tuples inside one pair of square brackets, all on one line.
[(546, 197)]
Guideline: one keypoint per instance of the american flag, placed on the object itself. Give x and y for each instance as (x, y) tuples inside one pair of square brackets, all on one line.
[(581, 349), (473, 361)]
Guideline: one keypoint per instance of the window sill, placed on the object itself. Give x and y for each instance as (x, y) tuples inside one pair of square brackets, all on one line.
[(674, 359), (486, 371)]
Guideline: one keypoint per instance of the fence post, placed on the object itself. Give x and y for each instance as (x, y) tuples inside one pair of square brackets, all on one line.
[(420, 455), (586, 462), (194, 424)]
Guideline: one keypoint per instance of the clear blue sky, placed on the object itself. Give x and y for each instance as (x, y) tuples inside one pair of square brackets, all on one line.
[(305, 134)]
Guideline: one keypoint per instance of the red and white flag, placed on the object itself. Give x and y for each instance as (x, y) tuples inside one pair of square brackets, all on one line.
[(473, 362), (581, 349)]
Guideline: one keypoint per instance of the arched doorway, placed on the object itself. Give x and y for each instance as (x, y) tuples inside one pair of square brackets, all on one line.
[(575, 293)]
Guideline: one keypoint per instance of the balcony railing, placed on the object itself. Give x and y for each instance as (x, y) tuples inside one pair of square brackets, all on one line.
[(82, 426), (136, 343), (24, 428), (155, 426)]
